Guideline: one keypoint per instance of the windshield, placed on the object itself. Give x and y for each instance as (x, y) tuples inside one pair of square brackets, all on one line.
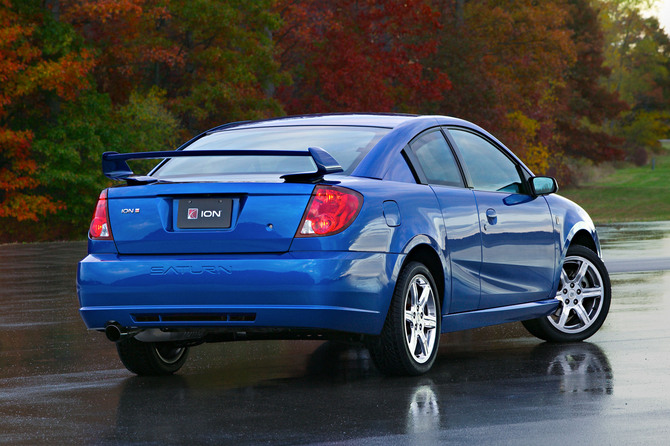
[(348, 145)]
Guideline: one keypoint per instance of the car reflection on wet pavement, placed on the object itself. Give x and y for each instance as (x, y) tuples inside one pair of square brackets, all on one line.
[(497, 385)]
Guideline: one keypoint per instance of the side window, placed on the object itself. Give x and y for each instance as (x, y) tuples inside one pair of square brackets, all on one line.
[(436, 159), (489, 168)]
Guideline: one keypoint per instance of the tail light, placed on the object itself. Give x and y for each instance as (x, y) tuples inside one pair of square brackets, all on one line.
[(330, 210), (100, 229)]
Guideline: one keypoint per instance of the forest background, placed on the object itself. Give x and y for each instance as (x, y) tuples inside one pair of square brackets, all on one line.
[(566, 84)]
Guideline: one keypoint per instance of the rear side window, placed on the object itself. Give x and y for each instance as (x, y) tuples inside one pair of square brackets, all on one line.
[(490, 169), (348, 145), (436, 159)]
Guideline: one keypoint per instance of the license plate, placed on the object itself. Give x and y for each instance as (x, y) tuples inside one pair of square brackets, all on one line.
[(204, 213)]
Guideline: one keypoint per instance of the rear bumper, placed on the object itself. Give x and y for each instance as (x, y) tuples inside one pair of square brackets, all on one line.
[(343, 291)]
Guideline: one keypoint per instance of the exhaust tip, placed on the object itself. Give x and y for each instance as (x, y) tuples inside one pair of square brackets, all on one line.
[(113, 331)]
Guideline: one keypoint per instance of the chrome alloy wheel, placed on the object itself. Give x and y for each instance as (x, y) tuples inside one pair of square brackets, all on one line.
[(420, 327), (168, 353), (581, 294)]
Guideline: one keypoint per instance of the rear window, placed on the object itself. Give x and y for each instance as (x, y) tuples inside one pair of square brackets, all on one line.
[(348, 145)]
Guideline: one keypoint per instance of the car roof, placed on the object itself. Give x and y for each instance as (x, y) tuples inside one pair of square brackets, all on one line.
[(386, 120)]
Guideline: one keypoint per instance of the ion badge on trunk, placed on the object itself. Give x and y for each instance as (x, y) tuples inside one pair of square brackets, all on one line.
[(204, 213)]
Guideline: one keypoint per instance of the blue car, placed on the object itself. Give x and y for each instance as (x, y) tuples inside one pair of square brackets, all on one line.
[(384, 229)]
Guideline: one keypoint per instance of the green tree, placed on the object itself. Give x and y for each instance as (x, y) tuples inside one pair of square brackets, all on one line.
[(638, 53), (587, 106), (214, 60), (70, 150), (40, 67), (159, 71), (57, 121)]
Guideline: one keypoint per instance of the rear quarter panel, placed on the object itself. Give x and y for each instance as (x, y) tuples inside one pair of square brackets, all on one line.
[(419, 214), (420, 222)]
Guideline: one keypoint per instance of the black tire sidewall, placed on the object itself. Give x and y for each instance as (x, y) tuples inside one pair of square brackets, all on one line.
[(143, 359)]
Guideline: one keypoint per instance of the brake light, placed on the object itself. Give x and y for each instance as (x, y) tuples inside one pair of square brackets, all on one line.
[(100, 229), (330, 210)]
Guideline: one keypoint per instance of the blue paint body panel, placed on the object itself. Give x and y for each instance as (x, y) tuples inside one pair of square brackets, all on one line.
[(256, 274), (327, 290), (518, 260)]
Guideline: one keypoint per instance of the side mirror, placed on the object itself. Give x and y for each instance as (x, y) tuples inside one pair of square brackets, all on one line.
[(543, 185)]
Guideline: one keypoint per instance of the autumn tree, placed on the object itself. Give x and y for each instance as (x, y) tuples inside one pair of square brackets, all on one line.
[(79, 77), (124, 75), (69, 145), (587, 107), (359, 55), (68, 123), (213, 61), (506, 61), (36, 74), (638, 53)]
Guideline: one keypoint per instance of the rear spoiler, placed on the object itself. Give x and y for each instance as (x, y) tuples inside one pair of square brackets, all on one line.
[(115, 167)]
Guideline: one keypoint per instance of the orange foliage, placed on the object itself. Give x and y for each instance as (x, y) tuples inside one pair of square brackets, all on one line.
[(24, 76), (506, 59), (127, 34)]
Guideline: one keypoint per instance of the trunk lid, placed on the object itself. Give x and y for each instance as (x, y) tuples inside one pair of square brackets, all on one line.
[(206, 217)]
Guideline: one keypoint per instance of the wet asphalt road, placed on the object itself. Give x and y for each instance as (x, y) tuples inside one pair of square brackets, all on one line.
[(60, 384)]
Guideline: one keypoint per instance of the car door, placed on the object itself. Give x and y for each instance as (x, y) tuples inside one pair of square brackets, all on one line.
[(435, 164), (518, 245)]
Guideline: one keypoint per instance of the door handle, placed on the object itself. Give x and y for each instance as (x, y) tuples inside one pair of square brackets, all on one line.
[(492, 216)]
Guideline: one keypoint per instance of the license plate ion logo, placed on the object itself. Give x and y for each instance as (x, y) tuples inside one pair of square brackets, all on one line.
[(204, 213)]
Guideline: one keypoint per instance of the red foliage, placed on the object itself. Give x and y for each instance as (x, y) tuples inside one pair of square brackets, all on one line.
[(583, 98), (127, 35), (359, 55)]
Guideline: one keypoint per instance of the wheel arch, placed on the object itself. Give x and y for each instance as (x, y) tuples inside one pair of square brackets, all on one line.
[(580, 234), (573, 226), (427, 255), (583, 238)]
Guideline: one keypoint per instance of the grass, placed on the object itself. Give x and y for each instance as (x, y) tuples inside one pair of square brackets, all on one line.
[(627, 194)]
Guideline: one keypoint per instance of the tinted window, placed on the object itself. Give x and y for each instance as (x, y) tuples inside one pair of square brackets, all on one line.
[(489, 168), (436, 159), (348, 145)]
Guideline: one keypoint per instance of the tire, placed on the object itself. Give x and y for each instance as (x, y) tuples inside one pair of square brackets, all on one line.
[(151, 358), (410, 338), (585, 294)]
